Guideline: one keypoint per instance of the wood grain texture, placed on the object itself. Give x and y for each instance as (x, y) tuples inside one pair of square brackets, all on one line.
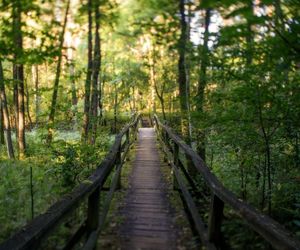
[(148, 217)]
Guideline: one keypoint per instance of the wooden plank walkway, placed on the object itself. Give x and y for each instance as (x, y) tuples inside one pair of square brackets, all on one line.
[(148, 217)]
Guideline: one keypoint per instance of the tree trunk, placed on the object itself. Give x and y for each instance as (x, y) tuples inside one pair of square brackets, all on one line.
[(57, 78), (115, 109), (182, 78), (188, 73), (6, 122), (202, 84), (86, 115), (15, 100), (95, 79), (101, 105), (27, 106), (133, 96), (35, 79), (18, 75), (151, 61), (266, 138), (100, 94), (161, 98), (249, 38), (2, 140), (74, 94)]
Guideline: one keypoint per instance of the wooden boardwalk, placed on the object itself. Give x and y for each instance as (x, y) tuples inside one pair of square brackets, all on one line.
[(148, 217)]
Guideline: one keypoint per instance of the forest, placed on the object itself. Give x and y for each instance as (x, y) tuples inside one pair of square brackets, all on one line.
[(224, 75)]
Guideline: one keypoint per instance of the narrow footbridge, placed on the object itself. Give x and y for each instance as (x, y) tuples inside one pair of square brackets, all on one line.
[(148, 217)]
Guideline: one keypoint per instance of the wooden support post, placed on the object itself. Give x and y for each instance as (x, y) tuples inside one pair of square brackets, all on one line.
[(135, 131), (215, 220), (128, 136), (175, 160), (93, 211), (118, 164), (166, 139), (127, 144), (175, 154), (190, 166)]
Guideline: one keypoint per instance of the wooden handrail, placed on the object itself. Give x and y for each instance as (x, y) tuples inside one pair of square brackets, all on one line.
[(269, 229), (32, 235)]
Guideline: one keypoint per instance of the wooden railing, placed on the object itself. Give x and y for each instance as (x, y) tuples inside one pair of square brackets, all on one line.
[(211, 235), (38, 230)]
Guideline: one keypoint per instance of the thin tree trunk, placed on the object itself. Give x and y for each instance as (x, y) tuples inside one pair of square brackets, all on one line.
[(266, 139), (202, 84), (57, 78), (249, 38), (182, 78), (151, 61), (18, 73), (101, 104), (100, 94), (16, 107), (86, 116), (133, 96), (161, 98), (6, 122), (27, 106), (115, 109), (74, 94), (2, 140), (35, 79), (96, 70), (187, 68)]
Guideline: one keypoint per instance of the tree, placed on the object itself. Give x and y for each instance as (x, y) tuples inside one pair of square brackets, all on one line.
[(57, 76), (95, 75), (6, 119), (202, 82), (86, 115), (18, 76), (182, 77)]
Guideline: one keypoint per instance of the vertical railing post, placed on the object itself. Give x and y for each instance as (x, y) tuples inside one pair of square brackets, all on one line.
[(128, 136), (166, 139), (215, 220), (127, 143), (93, 211), (118, 164), (136, 130), (175, 160), (190, 166)]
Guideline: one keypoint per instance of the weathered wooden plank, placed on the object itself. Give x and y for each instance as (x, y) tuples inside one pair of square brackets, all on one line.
[(147, 215)]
